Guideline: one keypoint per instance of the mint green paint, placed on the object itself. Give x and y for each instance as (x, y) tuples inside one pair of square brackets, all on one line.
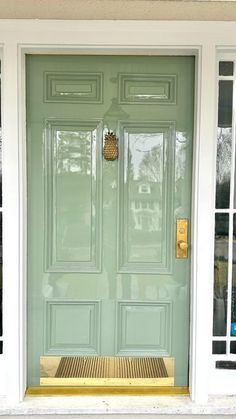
[(83, 334), (102, 273), (146, 196), (72, 164), (132, 338)]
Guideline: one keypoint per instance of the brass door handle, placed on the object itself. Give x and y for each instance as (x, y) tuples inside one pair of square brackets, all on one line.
[(181, 238), (182, 245)]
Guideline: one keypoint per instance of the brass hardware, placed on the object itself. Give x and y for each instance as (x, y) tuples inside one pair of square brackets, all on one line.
[(105, 390), (183, 245), (106, 371), (181, 238), (110, 149)]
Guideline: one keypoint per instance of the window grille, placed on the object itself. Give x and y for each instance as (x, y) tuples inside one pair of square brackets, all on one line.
[(224, 304)]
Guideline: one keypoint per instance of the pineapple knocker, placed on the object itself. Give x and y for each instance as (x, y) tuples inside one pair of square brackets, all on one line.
[(110, 149)]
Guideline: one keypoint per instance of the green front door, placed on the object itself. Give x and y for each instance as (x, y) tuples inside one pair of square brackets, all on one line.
[(103, 276)]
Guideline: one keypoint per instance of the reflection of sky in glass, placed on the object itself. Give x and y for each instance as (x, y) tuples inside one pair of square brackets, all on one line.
[(180, 154)]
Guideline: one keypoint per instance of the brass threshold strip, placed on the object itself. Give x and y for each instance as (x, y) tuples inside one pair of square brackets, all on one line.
[(76, 371), (86, 375), (106, 390)]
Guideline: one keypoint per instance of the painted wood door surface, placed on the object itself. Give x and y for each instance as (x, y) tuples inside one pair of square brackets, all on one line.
[(103, 277)]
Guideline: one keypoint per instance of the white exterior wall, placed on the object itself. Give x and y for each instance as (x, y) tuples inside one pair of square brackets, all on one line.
[(204, 40)]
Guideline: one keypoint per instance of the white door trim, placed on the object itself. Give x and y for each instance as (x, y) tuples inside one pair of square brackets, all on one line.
[(21, 37)]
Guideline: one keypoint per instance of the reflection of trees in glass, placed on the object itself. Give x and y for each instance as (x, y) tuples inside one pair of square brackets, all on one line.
[(220, 273), (223, 167), (146, 172), (74, 152), (74, 204), (180, 154), (145, 156), (181, 149), (151, 166)]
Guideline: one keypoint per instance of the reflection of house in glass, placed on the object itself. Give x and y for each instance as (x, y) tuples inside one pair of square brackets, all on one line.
[(145, 206), (145, 196), (145, 225)]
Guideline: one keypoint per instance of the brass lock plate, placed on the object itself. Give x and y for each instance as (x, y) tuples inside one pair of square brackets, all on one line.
[(182, 238)]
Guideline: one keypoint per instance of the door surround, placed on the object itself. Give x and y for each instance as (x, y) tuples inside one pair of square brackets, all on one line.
[(94, 41)]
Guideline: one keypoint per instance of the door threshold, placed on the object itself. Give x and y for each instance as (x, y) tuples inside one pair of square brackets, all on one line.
[(94, 371), (107, 390)]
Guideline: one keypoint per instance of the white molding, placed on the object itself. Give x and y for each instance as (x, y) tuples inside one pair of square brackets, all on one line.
[(117, 37), (203, 228), (3, 373), (12, 318)]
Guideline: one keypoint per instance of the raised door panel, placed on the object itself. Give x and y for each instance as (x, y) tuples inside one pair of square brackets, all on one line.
[(145, 239), (147, 89), (72, 196), (70, 87), (72, 327), (144, 328)]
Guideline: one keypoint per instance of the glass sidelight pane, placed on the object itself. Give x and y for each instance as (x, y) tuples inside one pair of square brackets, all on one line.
[(224, 143), (233, 299), (220, 274), (219, 347), (225, 103), (0, 164), (1, 328), (226, 68), (233, 347)]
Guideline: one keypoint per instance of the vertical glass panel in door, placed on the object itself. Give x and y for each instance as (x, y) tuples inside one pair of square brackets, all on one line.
[(103, 280)]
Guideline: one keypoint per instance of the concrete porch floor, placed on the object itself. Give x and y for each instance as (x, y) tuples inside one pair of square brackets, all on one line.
[(117, 407)]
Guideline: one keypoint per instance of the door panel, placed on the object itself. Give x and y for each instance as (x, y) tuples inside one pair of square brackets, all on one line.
[(103, 278), (146, 197), (72, 224)]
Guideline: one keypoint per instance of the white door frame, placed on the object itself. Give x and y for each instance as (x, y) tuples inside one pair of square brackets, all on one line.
[(144, 37)]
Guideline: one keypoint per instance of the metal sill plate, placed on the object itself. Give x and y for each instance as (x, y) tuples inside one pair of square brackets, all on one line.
[(106, 371)]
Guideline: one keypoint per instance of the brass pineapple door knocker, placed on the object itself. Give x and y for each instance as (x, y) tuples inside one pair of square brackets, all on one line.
[(110, 149)]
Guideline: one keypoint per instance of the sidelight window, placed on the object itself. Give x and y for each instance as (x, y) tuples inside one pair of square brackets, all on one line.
[(224, 304), (1, 320)]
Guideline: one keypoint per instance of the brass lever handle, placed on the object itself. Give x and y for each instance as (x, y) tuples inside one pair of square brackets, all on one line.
[(182, 245)]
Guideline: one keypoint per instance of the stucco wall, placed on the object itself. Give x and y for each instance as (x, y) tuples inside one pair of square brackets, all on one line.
[(119, 9)]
